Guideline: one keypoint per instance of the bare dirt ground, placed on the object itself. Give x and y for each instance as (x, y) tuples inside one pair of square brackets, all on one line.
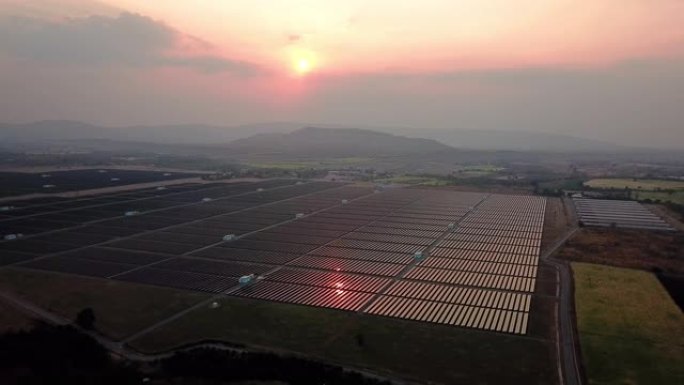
[(668, 215), (558, 219), (638, 249)]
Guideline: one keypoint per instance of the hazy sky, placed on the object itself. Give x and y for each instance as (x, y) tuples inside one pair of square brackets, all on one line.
[(604, 69)]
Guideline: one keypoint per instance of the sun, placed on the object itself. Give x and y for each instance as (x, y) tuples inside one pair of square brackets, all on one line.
[(302, 61), (303, 66)]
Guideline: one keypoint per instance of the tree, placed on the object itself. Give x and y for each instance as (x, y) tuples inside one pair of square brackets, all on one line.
[(86, 319)]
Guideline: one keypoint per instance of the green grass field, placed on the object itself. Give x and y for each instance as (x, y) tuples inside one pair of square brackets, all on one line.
[(639, 184), (413, 180), (120, 308), (675, 197), (308, 164), (407, 349), (482, 168), (630, 329)]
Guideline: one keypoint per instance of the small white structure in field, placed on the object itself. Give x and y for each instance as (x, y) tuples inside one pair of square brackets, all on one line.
[(206, 199), (260, 189), (6, 208), (48, 186), (102, 171), (419, 255), (299, 215), (299, 182), (229, 237), (167, 174), (214, 305), (451, 226), (247, 279), (114, 179), (45, 176), (131, 213), (161, 188), (345, 201), (12, 237)]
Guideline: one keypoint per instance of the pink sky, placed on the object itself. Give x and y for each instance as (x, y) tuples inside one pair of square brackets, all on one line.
[(349, 36), (380, 62)]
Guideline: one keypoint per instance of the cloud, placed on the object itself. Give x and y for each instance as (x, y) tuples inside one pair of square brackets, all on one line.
[(294, 37), (127, 39)]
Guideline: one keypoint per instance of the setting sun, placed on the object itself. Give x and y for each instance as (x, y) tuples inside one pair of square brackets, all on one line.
[(303, 66), (302, 61)]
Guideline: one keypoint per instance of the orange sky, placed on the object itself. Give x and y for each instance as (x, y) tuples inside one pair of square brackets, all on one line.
[(349, 36), (548, 65), (436, 35)]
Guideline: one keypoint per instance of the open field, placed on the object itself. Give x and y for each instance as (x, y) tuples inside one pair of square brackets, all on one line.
[(674, 197), (471, 171), (631, 331), (648, 250), (120, 308), (395, 347), (308, 164), (11, 319), (558, 219), (413, 180), (639, 184)]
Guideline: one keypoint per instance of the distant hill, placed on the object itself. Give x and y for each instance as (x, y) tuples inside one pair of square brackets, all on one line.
[(516, 141), (335, 142), (64, 130), (189, 134)]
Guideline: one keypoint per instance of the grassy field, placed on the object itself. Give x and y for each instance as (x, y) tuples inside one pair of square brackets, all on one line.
[(674, 197), (413, 180), (639, 184), (482, 168), (11, 319), (394, 347), (631, 331), (308, 164), (476, 170), (120, 308)]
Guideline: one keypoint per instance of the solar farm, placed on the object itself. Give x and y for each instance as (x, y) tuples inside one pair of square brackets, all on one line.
[(462, 259), (17, 183), (623, 214)]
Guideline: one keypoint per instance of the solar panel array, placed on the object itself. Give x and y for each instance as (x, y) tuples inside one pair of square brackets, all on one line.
[(481, 275), (625, 214), (352, 250)]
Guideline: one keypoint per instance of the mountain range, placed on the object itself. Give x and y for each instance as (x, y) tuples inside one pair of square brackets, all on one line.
[(216, 135)]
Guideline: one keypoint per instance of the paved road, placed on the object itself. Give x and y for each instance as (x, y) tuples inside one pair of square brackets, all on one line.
[(568, 353)]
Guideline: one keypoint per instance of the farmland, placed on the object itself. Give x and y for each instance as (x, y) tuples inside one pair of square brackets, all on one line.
[(308, 164), (338, 269), (630, 329), (648, 250), (662, 196), (636, 184)]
